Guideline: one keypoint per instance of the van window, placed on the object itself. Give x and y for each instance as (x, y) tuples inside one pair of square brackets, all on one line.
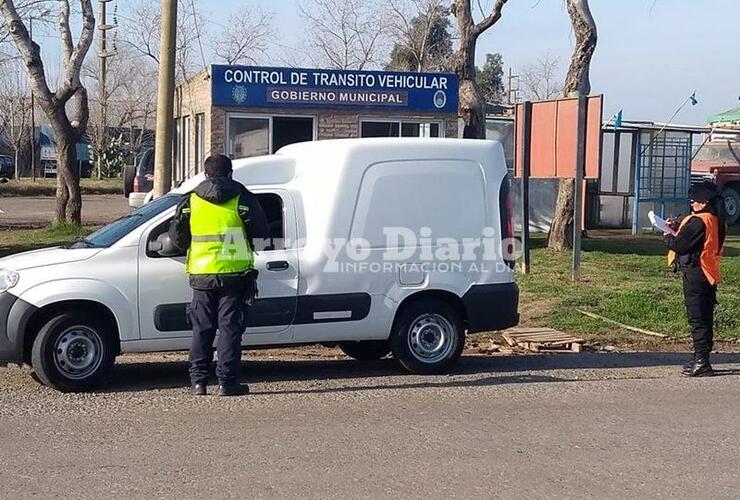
[(110, 234), (447, 196), (272, 204)]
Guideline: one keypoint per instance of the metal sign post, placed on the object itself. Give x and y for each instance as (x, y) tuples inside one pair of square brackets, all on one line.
[(578, 195), (526, 168)]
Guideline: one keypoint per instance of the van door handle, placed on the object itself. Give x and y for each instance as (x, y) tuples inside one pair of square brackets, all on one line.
[(278, 265)]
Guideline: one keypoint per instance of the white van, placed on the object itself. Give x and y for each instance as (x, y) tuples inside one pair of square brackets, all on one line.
[(379, 246)]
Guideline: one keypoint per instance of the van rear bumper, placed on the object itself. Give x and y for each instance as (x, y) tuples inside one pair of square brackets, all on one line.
[(492, 307)]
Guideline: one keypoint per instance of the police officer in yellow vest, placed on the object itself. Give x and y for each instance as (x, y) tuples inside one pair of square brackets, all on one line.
[(219, 224), (696, 251)]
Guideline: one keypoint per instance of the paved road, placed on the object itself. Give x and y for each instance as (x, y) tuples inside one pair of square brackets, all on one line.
[(97, 209), (575, 426)]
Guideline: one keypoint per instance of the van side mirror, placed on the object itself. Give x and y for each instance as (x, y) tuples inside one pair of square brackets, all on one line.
[(163, 246)]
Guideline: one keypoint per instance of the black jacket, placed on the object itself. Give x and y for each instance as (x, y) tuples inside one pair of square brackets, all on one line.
[(688, 244), (219, 190)]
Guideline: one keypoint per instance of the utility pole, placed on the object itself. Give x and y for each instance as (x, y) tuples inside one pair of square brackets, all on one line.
[(513, 92), (103, 91), (165, 100), (33, 114)]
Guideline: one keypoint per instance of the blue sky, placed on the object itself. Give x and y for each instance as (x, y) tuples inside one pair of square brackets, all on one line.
[(651, 53)]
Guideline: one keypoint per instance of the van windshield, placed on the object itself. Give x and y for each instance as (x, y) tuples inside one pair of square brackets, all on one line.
[(108, 235)]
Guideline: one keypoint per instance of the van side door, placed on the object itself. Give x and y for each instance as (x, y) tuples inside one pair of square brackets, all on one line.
[(164, 292)]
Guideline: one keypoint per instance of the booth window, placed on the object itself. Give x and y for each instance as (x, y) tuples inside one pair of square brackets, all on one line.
[(257, 135), (399, 128), (200, 121), (176, 147), (184, 167)]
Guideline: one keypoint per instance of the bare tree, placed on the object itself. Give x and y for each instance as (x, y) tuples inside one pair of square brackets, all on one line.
[(419, 29), (141, 32), (15, 115), (66, 108), (131, 89), (246, 37), (472, 105), (576, 84), (540, 80), (344, 34)]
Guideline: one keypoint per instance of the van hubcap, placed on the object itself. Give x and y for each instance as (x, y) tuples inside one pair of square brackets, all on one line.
[(78, 352), (431, 338)]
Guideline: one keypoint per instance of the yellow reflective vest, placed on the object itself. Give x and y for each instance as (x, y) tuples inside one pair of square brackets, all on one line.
[(219, 242)]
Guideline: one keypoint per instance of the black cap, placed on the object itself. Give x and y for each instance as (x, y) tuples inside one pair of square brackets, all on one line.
[(703, 191)]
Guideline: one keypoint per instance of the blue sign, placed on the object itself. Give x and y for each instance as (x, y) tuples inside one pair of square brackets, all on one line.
[(251, 86)]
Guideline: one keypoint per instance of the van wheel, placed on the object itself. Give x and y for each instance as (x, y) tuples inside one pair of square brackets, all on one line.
[(72, 353), (428, 336), (366, 350)]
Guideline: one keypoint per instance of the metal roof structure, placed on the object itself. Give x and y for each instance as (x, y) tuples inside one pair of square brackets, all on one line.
[(731, 115)]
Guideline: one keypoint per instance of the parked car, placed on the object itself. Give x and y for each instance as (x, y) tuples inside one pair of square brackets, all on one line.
[(138, 179), (69, 311), (7, 167)]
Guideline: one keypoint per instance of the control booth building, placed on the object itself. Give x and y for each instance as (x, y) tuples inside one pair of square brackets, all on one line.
[(244, 111)]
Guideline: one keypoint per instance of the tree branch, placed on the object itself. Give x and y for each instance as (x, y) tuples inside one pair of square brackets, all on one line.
[(64, 30), (492, 18), (29, 50), (71, 82)]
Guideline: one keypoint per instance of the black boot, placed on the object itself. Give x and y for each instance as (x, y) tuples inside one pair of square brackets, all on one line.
[(687, 366), (700, 368), (233, 390)]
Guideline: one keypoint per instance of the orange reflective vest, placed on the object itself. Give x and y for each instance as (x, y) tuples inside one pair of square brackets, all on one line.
[(711, 253)]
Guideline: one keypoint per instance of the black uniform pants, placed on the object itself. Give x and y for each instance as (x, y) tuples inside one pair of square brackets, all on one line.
[(224, 310), (700, 297)]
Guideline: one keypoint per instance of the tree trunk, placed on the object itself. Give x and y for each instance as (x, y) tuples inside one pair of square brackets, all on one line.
[(576, 84), (577, 81), (471, 105), (69, 199), (560, 236)]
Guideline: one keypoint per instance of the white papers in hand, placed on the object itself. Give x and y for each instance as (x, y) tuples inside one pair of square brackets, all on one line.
[(660, 223)]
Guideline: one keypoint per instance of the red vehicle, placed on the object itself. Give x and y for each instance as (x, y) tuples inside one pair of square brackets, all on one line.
[(720, 163)]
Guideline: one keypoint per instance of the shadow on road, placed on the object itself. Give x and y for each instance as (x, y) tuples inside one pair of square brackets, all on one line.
[(132, 377)]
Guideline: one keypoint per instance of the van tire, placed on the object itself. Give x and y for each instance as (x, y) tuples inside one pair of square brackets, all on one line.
[(68, 339), (129, 172), (366, 350), (437, 349)]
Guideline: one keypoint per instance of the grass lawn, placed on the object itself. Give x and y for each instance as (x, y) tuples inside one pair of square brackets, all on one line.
[(47, 187), (21, 240), (624, 279)]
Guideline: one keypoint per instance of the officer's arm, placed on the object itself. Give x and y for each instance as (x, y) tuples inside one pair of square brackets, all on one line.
[(689, 238), (179, 230), (255, 221)]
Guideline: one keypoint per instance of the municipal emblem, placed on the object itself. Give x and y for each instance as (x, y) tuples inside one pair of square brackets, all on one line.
[(239, 94), (440, 99)]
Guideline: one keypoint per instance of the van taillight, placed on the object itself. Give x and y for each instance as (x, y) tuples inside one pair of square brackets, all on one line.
[(137, 187), (506, 208)]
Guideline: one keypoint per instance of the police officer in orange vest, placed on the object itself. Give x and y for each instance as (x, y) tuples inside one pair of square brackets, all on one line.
[(696, 251)]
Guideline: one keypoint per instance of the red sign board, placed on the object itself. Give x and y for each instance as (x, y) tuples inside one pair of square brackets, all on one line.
[(554, 137)]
